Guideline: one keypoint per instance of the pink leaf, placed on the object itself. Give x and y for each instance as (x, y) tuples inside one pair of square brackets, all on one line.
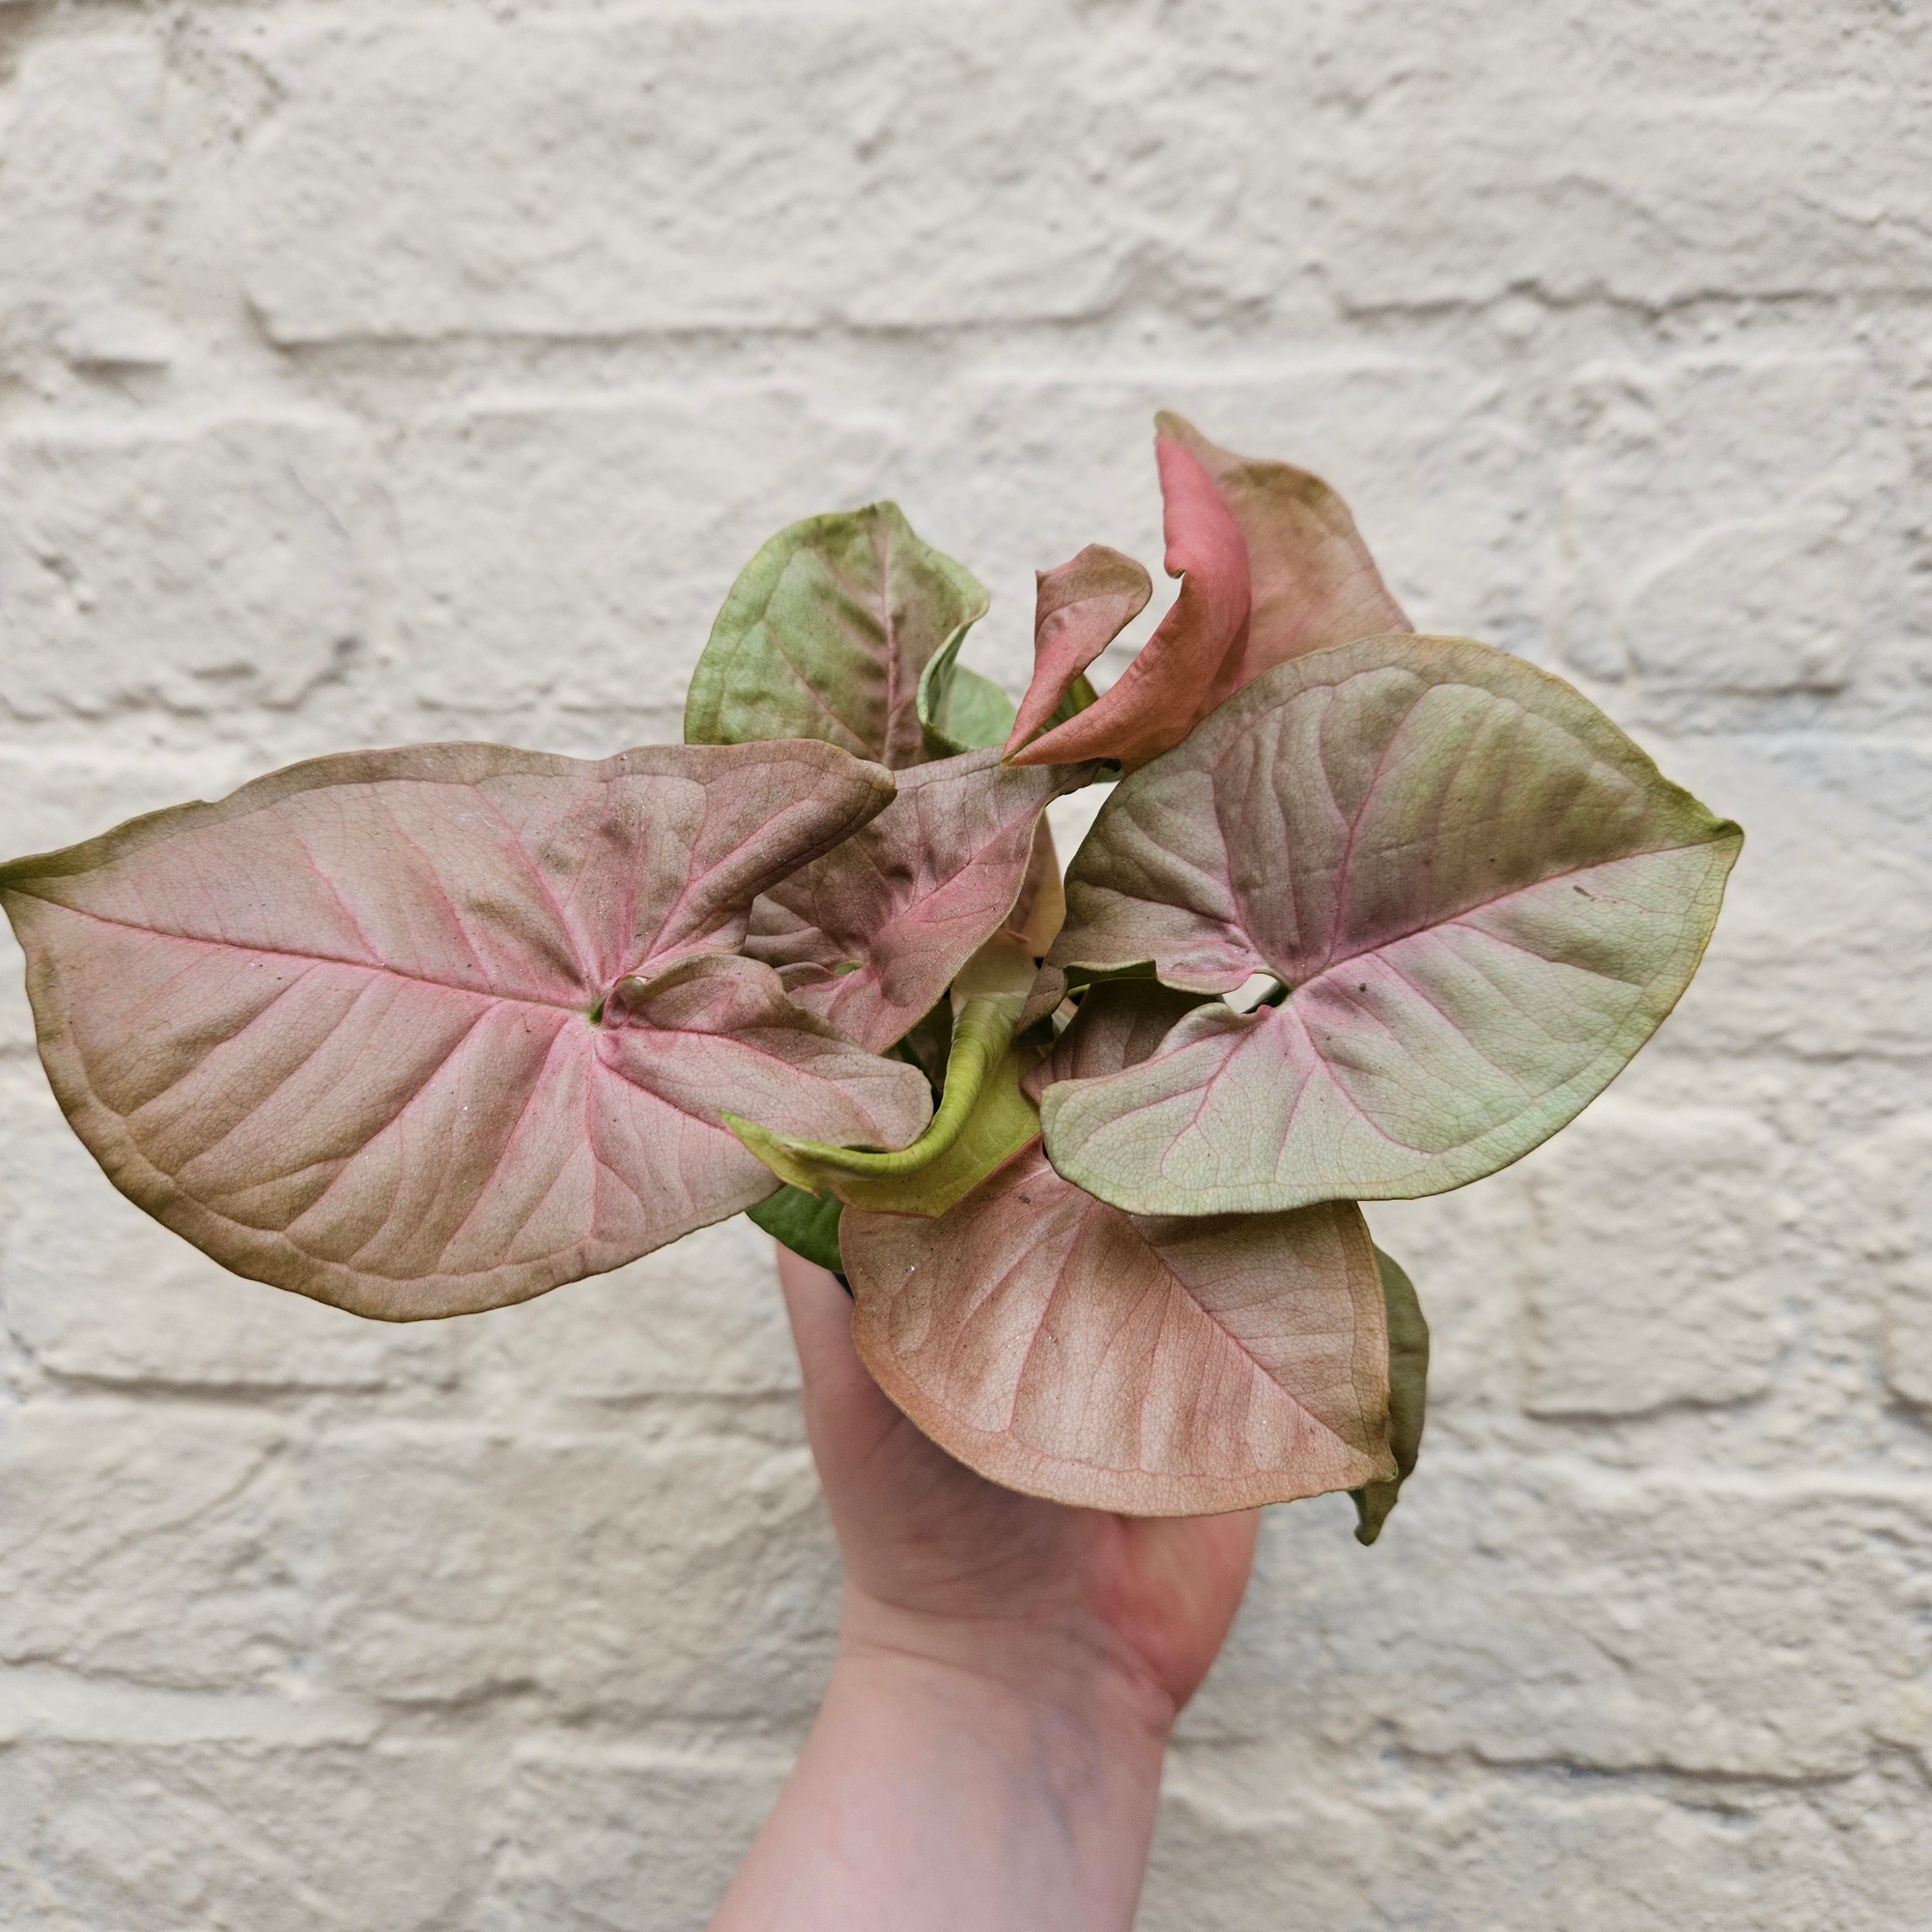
[(1078, 611), (1154, 1366), (1188, 665), (425, 1031), (1313, 582), (1481, 896), (1275, 568), (871, 935)]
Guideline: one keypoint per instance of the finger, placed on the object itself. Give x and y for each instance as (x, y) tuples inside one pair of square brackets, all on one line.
[(821, 1327)]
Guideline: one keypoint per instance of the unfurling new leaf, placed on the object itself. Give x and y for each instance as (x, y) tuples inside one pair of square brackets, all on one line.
[(1274, 568)]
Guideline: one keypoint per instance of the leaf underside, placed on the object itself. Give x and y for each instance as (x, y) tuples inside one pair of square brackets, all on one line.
[(427, 1031), (1154, 1366), (1483, 897)]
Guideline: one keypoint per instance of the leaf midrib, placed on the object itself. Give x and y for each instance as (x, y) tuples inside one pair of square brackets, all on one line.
[(376, 967)]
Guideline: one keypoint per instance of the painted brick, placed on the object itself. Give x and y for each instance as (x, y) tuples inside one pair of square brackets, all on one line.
[(1282, 1841), (595, 175), (1829, 911), (695, 1578), (630, 1842), (1663, 1244), (1580, 194), (164, 1547), (1893, 1224), (1724, 531), (703, 1317), (1524, 1612), (574, 553), (231, 551), (83, 175), (147, 1837)]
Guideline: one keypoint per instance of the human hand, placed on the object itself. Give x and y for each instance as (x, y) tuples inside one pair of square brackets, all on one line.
[(987, 1756), (940, 1562)]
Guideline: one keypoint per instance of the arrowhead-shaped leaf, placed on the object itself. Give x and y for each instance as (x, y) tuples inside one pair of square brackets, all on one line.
[(827, 633), (1483, 896), (890, 917), (1159, 1367), (425, 1031), (1409, 1394), (1185, 668)]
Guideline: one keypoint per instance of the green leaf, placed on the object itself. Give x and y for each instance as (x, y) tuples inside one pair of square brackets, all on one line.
[(1483, 897), (958, 709), (1077, 696), (984, 1118), (828, 634), (802, 1222), (1408, 1389)]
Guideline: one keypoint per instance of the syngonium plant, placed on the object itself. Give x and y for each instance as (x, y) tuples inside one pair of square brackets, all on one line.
[(1366, 916)]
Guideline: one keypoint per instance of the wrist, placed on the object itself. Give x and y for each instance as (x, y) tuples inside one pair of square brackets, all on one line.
[(1071, 1676)]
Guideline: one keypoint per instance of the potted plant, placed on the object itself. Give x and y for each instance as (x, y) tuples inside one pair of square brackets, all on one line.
[(1367, 915)]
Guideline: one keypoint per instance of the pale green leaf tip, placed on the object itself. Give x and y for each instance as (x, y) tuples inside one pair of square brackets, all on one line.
[(980, 1036)]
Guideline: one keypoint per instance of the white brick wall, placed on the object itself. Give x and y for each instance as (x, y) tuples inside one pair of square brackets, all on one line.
[(371, 373)]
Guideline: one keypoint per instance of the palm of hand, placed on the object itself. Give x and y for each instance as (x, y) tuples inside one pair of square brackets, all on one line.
[(927, 1540)]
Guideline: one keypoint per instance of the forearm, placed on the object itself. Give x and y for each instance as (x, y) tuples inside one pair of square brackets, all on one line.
[(964, 1792)]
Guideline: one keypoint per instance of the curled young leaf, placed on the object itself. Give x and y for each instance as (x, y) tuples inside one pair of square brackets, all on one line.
[(891, 916), (1483, 897), (994, 1119), (958, 709), (1408, 1392), (984, 1117), (424, 1031), (1185, 668), (1159, 1367), (826, 634), (1312, 581), (1078, 611)]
